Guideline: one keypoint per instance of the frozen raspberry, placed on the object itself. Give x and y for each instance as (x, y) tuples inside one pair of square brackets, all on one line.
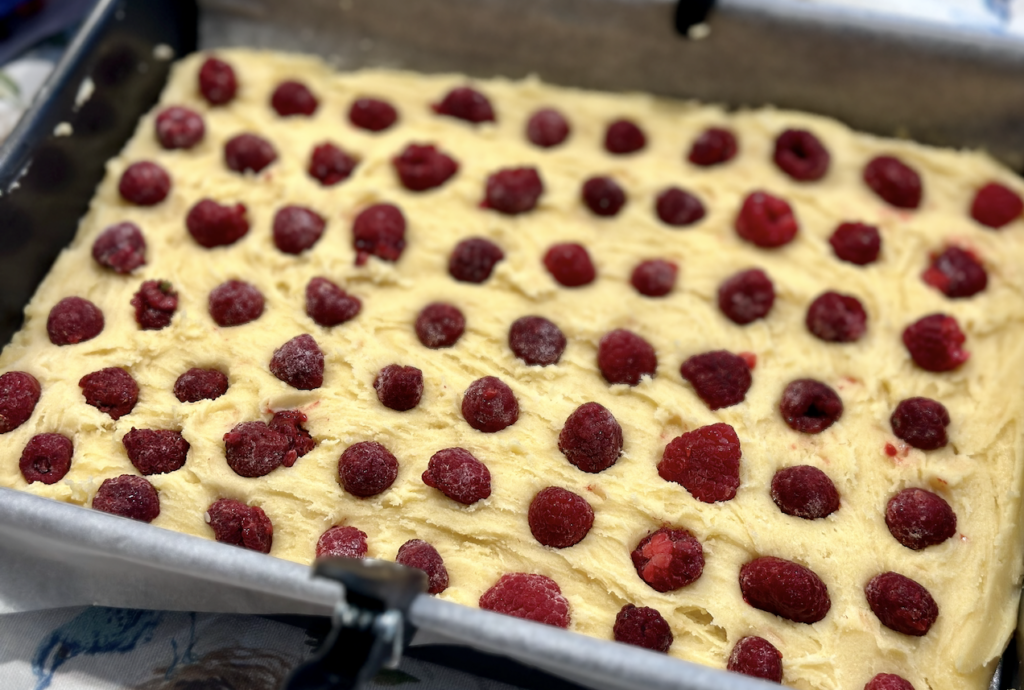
[(299, 363), (342, 542), (894, 181), (712, 147), (289, 423), (144, 183), (200, 384), (901, 604), (155, 451), (535, 340), (367, 469), (559, 518), (329, 305), (836, 318), (417, 553), (458, 475), (128, 496), (120, 247), (921, 422), (810, 406), (513, 190), (155, 304), (591, 438), (440, 325), (668, 559), (705, 461), (237, 524), (800, 154), (330, 164), (466, 104), (784, 588), (399, 388), (757, 657), (46, 458), (995, 205), (888, 681), (74, 320), (378, 230), (248, 152), (297, 228), (111, 390), (625, 357), (533, 597), (678, 208), (766, 221), (569, 264), (919, 519), (720, 378), (179, 128), (934, 342), (643, 627), (473, 260), (253, 449), (293, 98), (489, 405), (956, 273), (235, 303), (624, 136), (804, 492), (547, 127), (217, 81), (19, 393), (213, 225), (372, 114), (856, 243), (746, 296), (603, 196), (423, 167)]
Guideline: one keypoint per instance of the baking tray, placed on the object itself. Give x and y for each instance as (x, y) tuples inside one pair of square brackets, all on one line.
[(936, 85)]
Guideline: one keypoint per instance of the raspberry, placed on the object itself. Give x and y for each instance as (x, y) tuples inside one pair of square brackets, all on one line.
[(235, 303), (466, 104), (440, 325), (213, 225), (705, 461), (155, 451), (856, 243), (200, 384), (995, 205), (423, 167), (810, 406), (297, 228), (155, 304), (299, 363), (894, 181), (46, 458), (248, 152), (547, 127), (372, 114), (603, 196), (888, 681), (330, 165), (341, 542), (570, 265), (836, 318), (591, 438), (513, 190), (489, 405), (329, 305), (746, 296), (713, 147), (643, 627), (237, 524), (625, 357), (559, 518), (417, 553), (253, 449), (128, 496), (74, 320), (956, 273), (720, 378), (179, 128), (458, 475), (901, 604), (399, 388), (19, 393), (367, 469), (784, 588), (533, 597), (535, 340), (919, 519), (668, 559), (217, 81), (378, 230), (624, 136), (757, 657), (473, 260), (293, 98), (120, 247), (804, 492), (921, 422), (800, 154), (934, 343), (678, 208), (144, 183), (111, 390), (766, 221), (289, 423)]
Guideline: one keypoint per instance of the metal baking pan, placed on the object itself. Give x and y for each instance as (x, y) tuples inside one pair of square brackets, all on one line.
[(936, 85)]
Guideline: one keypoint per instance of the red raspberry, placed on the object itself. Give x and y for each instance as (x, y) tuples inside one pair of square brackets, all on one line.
[(894, 181), (757, 657), (668, 559), (423, 167), (329, 305), (836, 318), (591, 438), (800, 154), (417, 553), (570, 265), (705, 461), (156, 451), (213, 225), (712, 147), (625, 357), (995, 205), (919, 519), (535, 340), (253, 449), (466, 104), (489, 405), (144, 183), (810, 406), (399, 388), (888, 681), (547, 127), (458, 475), (299, 363), (784, 588), (289, 423), (513, 190), (678, 208), (128, 496), (559, 518), (342, 542), (956, 273), (473, 260), (921, 422), (111, 390), (378, 230), (643, 627), (533, 597), (372, 114), (120, 247), (367, 469), (440, 325), (248, 152), (654, 278), (720, 378), (330, 165), (179, 128), (934, 343), (624, 136), (297, 228), (235, 303), (46, 458), (856, 243), (746, 296), (200, 384), (901, 604), (237, 524), (217, 81), (603, 196), (766, 221), (804, 492), (293, 98), (155, 304), (74, 320), (19, 393)]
